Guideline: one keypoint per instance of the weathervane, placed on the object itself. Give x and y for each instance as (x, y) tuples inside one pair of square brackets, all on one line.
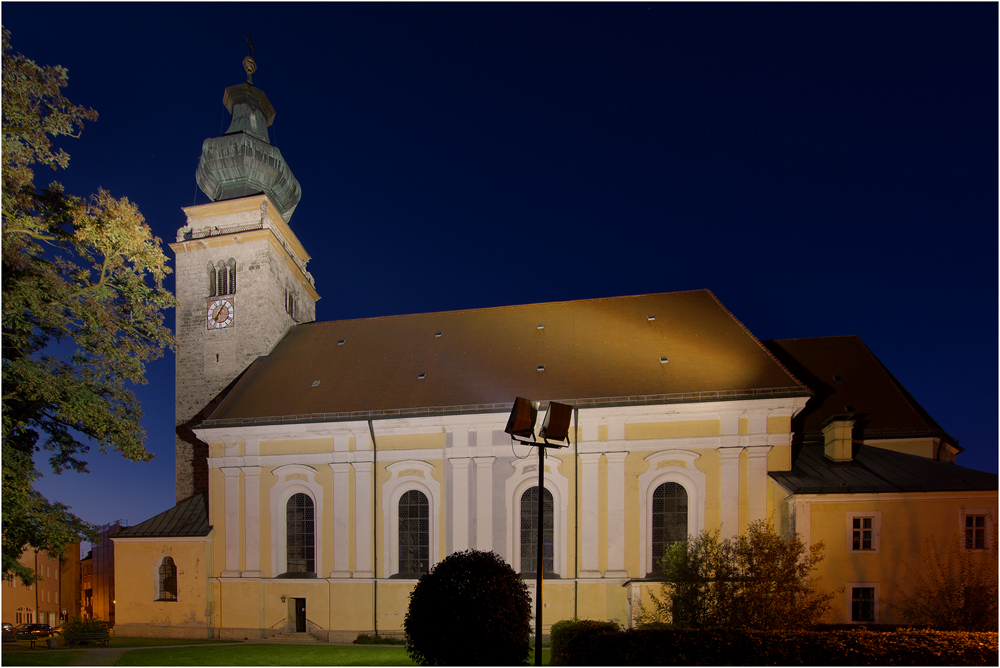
[(249, 64)]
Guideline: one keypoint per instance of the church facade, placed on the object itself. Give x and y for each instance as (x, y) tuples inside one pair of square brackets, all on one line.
[(323, 467)]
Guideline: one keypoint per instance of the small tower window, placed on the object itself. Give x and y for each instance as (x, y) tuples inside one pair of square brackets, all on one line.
[(231, 272), (289, 303), (213, 288), (221, 276)]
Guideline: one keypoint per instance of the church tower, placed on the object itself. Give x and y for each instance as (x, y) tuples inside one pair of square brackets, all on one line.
[(240, 270)]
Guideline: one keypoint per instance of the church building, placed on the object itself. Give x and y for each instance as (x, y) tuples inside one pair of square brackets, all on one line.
[(322, 467)]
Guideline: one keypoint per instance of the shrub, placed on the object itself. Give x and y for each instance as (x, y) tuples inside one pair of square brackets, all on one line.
[(471, 609), (567, 637), (79, 624), (365, 639)]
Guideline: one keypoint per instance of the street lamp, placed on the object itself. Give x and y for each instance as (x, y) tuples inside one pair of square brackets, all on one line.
[(555, 427)]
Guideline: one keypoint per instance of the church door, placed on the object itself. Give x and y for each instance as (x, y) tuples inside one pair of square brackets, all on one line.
[(300, 615)]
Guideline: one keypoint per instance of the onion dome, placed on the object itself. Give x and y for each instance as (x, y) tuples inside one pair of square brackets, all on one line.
[(242, 162)]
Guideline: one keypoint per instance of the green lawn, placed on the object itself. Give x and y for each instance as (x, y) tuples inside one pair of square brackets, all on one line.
[(13, 656), (147, 642)]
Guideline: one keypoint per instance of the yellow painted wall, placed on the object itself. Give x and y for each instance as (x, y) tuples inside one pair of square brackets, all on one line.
[(779, 425), (137, 580), (296, 446), (687, 429), (907, 521), (411, 441)]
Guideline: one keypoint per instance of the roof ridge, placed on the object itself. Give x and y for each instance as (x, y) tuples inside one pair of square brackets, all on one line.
[(505, 306), (758, 342)]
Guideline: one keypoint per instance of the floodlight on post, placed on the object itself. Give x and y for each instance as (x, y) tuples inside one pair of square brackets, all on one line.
[(555, 427)]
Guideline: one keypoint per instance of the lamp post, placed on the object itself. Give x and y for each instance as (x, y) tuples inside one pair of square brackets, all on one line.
[(555, 427)]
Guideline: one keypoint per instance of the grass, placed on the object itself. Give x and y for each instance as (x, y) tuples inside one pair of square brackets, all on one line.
[(152, 642), (268, 655), (40, 657)]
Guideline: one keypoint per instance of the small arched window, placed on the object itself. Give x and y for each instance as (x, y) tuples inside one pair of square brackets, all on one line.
[(167, 581), (529, 532), (414, 534), (231, 273), (300, 534), (213, 287), (670, 519)]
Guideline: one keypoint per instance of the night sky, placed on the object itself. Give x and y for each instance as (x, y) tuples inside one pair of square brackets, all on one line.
[(824, 169)]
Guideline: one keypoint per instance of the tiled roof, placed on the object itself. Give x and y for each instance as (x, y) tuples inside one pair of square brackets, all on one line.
[(846, 377), (877, 470), (187, 518), (682, 346)]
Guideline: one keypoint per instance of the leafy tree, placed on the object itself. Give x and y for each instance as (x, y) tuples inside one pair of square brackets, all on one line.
[(955, 590), (472, 609), (757, 580), (82, 289)]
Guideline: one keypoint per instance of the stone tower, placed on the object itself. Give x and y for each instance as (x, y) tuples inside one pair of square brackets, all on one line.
[(241, 272)]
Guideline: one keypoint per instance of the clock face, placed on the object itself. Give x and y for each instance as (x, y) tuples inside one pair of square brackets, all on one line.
[(220, 313)]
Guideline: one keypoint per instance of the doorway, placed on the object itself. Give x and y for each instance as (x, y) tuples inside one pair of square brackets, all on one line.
[(300, 614)]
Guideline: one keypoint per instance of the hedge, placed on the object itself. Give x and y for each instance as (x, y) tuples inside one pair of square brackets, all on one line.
[(731, 647)]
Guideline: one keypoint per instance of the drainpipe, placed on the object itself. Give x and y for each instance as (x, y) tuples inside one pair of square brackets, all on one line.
[(371, 430), (576, 512)]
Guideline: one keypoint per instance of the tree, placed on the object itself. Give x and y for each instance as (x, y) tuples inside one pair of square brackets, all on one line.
[(471, 609), (757, 580), (955, 590), (82, 310)]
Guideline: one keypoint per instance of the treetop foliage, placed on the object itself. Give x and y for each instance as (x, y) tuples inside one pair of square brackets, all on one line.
[(82, 309), (757, 580)]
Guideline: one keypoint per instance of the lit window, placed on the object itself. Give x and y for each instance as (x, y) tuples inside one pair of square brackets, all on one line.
[(864, 531), (670, 519), (414, 534), (167, 589), (299, 528), (529, 532), (863, 604)]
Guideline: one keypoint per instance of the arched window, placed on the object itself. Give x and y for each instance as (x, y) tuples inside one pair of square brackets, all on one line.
[(167, 581), (231, 272), (529, 532), (414, 534), (299, 534), (220, 278), (213, 287), (670, 519)]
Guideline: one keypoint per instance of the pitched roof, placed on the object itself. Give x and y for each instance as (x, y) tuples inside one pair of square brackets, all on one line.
[(589, 352), (877, 470), (187, 518), (846, 377)]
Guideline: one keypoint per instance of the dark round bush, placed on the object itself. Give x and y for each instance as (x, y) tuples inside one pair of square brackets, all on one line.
[(472, 609)]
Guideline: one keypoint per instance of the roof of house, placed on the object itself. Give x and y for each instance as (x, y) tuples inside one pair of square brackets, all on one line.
[(877, 470), (682, 346), (187, 518), (846, 377)]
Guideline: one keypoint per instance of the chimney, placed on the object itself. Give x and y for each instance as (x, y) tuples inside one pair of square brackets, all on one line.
[(837, 445)]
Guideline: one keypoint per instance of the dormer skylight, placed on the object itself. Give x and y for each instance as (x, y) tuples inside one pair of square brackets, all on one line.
[(540, 367), (341, 342)]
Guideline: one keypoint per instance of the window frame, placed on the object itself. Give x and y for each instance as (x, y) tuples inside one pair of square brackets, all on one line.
[(876, 517), (292, 479), (422, 542), (988, 530), (289, 535), (525, 476), (670, 465), (161, 580), (520, 526), (652, 512), (876, 596)]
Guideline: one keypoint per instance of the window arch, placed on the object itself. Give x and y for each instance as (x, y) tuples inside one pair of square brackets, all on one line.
[(293, 479), (404, 477), (213, 286), (231, 275), (166, 580), (677, 466), (300, 539), (529, 532), (670, 519), (525, 477), (414, 534)]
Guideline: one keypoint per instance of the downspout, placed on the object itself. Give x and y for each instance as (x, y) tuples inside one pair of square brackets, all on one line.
[(371, 430), (576, 512)]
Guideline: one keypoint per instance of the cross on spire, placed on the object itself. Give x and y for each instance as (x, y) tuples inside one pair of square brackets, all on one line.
[(248, 63)]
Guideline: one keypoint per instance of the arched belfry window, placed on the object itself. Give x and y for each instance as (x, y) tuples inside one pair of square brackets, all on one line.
[(300, 534), (231, 275), (670, 519), (414, 534), (167, 581), (213, 286), (529, 532)]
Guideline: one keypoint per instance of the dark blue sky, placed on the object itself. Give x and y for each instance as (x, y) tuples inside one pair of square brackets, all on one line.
[(825, 169)]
